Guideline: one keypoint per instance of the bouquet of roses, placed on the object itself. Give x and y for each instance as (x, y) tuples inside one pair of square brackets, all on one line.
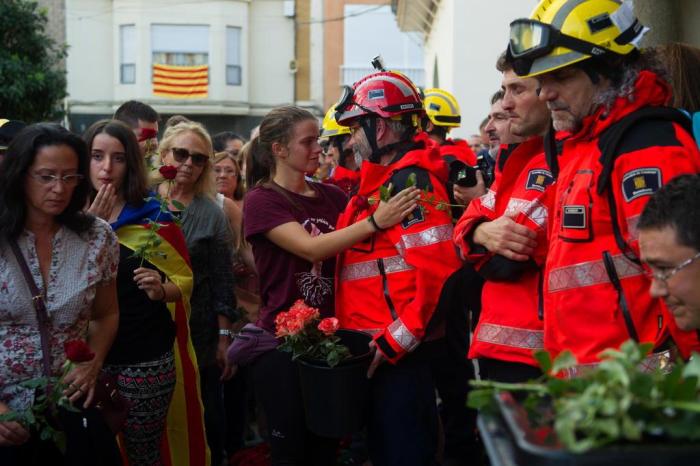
[(306, 335), (41, 416)]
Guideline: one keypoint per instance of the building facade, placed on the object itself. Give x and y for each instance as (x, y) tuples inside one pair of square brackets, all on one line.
[(463, 39), (243, 53)]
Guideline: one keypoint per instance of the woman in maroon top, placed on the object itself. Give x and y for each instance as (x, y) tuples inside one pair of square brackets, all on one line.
[(290, 223)]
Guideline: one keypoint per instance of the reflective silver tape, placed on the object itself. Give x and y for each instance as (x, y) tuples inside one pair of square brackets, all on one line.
[(368, 269), (511, 336), (590, 273), (403, 335)]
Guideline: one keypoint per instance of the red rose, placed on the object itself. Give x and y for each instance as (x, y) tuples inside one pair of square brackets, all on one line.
[(360, 203), (78, 351), (147, 133), (168, 171), (329, 325)]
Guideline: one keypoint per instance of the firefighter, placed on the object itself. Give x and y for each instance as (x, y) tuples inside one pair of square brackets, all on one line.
[(390, 284), (452, 370), (336, 138), (504, 234), (441, 115), (623, 146)]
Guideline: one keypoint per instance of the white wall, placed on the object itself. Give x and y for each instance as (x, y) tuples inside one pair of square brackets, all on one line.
[(376, 33), (316, 53), (91, 50), (271, 50), (467, 37)]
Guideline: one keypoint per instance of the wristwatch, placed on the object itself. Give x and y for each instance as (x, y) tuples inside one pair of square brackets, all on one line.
[(225, 332)]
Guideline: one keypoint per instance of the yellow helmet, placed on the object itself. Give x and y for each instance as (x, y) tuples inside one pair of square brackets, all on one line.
[(441, 107), (330, 127), (560, 33)]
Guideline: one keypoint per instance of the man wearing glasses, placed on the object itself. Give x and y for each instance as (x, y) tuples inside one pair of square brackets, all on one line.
[(623, 145), (669, 240)]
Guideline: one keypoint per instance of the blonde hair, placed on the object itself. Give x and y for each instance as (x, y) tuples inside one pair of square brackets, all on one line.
[(205, 184)]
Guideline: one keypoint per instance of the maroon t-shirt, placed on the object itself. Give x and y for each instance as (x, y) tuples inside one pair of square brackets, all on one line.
[(284, 277)]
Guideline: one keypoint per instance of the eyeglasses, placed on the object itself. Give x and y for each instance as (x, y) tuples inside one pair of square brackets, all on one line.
[(48, 179), (181, 155), (665, 275)]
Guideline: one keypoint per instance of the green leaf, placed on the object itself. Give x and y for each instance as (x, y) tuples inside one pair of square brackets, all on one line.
[(384, 193), (177, 204), (479, 399), (565, 360), (411, 180), (544, 359)]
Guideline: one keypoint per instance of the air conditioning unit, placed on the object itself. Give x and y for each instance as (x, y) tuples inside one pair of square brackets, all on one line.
[(289, 10)]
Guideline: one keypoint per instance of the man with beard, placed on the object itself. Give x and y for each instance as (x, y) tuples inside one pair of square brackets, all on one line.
[(336, 139), (504, 235), (390, 285), (623, 146)]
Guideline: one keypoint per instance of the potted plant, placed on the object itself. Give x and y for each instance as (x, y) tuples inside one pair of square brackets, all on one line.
[(613, 413), (333, 367)]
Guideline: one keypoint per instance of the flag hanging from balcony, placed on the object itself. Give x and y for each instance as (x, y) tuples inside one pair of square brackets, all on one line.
[(181, 82)]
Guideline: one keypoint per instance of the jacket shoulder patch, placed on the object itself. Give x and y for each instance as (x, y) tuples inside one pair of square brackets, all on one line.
[(539, 179), (641, 182), (417, 216)]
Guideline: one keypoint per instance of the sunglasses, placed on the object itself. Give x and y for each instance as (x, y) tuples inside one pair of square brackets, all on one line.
[(181, 155)]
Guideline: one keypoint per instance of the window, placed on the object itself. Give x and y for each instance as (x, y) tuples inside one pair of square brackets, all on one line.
[(184, 45), (127, 54), (233, 56)]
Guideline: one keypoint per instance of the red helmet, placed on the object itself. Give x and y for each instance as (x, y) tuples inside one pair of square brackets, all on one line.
[(385, 94)]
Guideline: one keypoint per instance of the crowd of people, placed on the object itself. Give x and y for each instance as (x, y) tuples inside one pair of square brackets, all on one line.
[(570, 222)]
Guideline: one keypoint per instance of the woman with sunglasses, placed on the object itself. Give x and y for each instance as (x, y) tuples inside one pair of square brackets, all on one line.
[(71, 259), (290, 223), (150, 291), (187, 146)]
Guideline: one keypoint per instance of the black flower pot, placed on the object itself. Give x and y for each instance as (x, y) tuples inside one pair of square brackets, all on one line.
[(336, 399)]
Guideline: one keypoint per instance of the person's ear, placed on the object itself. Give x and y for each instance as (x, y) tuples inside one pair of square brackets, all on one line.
[(381, 129), (279, 149)]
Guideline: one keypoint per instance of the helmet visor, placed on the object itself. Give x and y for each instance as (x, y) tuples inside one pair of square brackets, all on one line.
[(529, 38)]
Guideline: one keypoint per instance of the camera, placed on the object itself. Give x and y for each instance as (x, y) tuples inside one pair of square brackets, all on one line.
[(464, 175)]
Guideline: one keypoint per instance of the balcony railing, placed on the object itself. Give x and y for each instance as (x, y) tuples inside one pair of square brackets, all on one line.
[(351, 74)]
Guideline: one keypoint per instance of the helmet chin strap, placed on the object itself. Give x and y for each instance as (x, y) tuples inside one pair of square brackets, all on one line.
[(369, 126)]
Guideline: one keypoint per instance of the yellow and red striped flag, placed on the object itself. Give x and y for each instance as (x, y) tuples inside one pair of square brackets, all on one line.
[(181, 82)]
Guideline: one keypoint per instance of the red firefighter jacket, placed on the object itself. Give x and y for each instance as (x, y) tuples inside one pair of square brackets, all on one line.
[(460, 150), (389, 285), (347, 180), (510, 326), (586, 308)]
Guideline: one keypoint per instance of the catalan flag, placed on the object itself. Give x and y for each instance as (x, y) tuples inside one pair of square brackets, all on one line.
[(181, 82), (185, 442)]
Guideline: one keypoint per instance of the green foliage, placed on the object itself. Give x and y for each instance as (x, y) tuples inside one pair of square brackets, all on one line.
[(612, 402), (32, 84), (311, 343)]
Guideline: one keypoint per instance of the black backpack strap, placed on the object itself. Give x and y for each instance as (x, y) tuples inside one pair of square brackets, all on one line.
[(551, 151), (617, 133), (611, 141)]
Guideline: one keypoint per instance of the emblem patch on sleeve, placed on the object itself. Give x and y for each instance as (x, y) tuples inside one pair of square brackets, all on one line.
[(414, 217), (574, 217), (539, 179), (640, 182)]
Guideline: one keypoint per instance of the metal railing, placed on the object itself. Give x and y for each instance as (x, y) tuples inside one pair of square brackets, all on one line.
[(351, 74)]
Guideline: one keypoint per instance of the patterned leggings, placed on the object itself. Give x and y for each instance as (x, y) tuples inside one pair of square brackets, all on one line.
[(149, 387)]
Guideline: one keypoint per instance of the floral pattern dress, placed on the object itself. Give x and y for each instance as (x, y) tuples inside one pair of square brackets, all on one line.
[(79, 263)]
